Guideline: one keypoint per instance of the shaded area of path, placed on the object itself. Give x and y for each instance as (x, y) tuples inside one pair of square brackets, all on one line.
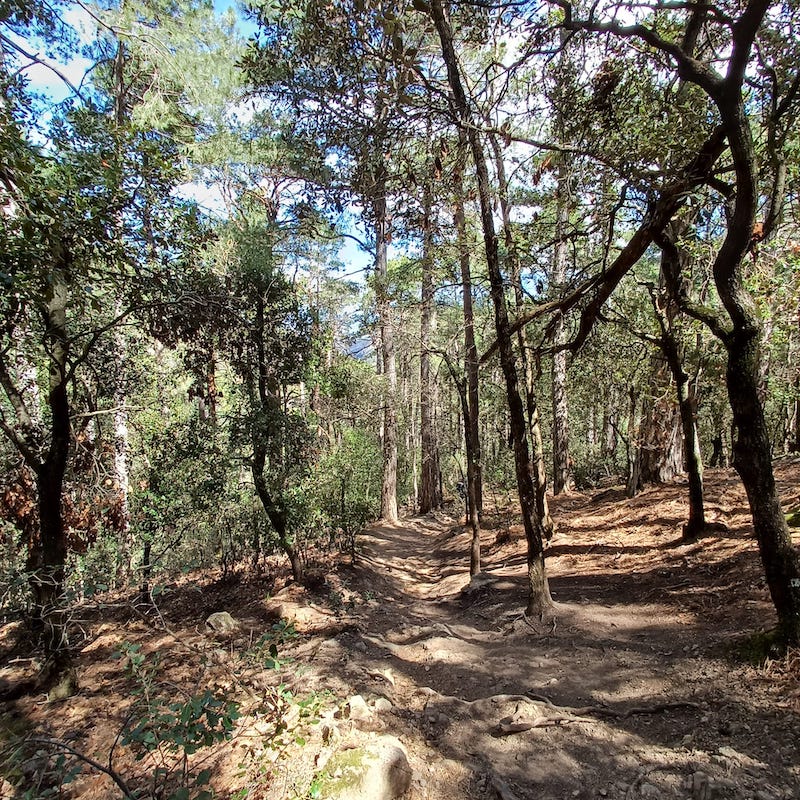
[(617, 698)]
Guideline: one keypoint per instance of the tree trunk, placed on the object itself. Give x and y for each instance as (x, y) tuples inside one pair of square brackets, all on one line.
[(634, 482), (471, 499), (660, 447), (471, 414), (562, 469), (539, 600), (751, 449), (531, 402), (429, 497), (274, 513), (696, 523), (147, 567), (672, 260), (389, 484), (266, 399), (47, 555), (719, 455), (121, 472)]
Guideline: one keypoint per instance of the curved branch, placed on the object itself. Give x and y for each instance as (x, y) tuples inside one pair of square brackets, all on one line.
[(670, 199), (115, 776), (34, 59), (689, 68)]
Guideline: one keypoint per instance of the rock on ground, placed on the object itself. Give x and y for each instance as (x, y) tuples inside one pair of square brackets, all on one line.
[(377, 771), (222, 622)]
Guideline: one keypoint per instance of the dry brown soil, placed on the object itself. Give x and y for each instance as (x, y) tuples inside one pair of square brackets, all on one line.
[(637, 687)]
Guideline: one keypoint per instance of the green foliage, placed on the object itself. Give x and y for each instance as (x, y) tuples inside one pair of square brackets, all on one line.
[(185, 726), (266, 650), (158, 725), (56, 772)]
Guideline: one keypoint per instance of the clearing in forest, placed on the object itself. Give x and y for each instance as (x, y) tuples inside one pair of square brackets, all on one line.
[(637, 687)]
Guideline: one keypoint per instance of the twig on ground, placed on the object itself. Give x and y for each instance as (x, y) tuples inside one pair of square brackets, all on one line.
[(507, 726), (638, 780), (115, 776)]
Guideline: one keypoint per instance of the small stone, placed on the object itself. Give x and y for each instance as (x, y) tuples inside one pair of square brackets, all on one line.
[(729, 752), (603, 793), (648, 790), (221, 622), (360, 646), (357, 708), (382, 705)]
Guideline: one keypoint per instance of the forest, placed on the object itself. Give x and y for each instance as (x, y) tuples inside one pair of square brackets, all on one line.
[(394, 394)]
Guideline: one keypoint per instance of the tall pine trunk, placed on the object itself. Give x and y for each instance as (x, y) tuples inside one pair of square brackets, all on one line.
[(469, 389), (429, 496), (539, 600), (471, 418), (389, 362), (562, 471)]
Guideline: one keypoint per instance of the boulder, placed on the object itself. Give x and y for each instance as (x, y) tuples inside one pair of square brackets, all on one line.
[(377, 771)]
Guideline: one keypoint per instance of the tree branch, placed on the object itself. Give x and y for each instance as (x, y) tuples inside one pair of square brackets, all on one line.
[(670, 199), (689, 68), (36, 60), (115, 776)]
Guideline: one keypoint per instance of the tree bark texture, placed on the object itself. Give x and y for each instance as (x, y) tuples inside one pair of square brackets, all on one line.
[(47, 554), (562, 470), (751, 449), (660, 451)]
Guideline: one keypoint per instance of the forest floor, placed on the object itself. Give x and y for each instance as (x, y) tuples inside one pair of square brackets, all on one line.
[(639, 687)]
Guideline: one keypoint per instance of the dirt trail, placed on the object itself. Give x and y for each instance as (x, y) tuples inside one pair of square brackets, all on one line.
[(632, 691), (617, 698)]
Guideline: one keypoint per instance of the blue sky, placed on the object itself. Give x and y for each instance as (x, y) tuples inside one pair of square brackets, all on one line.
[(48, 83)]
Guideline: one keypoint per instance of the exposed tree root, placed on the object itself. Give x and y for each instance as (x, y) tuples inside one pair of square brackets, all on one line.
[(613, 713), (507, 726), (561, 715)]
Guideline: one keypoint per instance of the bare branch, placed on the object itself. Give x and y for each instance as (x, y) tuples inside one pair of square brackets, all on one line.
[(669, 201), (34, 59), (115, 776)]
